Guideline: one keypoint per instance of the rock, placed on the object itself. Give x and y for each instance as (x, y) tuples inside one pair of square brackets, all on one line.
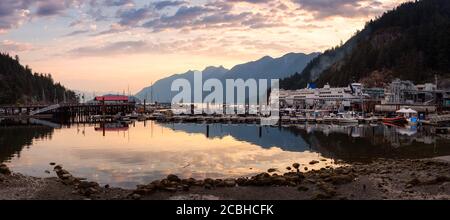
[(208, 186), (66, 176), (327, 189), (190, 181), (323, 160), (321, 196), (52, 164), (47, 172), (272, 170), (438, 180), (86, 185), (324, 175), (165, 183), (219, 183), (306, 168), (281, 181), (341, 179), (241, 181), (288, 168), (106, 186), (170, 189), (230, 182), (414, 182), (4, 170), (136, 196), (385, 172), (302, 188), (294, 177), (209, 181), (57, 167), (185, 187), (296, 166), (199, 183), (92, 190), (263, 179), (173, 178), (313, 162)]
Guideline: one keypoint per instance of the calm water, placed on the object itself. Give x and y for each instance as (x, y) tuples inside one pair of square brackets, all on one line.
[(146, 151)]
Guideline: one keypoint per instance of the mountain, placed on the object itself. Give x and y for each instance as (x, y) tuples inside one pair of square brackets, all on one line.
[(264, 68), (19, 85), (161, 90), (409, 42)]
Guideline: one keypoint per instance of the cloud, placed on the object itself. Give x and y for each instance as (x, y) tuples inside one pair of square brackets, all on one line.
[(114, 28), (119, 2), (131, 17), (14, 47), (50, 7), (164, 4), (75, 33), (342, 8), (114, 48), (252, 1), (213, 15), (12, 14)]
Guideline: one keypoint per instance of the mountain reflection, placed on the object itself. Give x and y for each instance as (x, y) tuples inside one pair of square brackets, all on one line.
[(349, 143)]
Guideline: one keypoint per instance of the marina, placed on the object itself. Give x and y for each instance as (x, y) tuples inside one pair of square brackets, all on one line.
[(126, 155)]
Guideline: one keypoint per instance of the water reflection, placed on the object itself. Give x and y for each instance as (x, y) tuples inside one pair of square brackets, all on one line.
[(127, 155), (349, 143), (14, 138)]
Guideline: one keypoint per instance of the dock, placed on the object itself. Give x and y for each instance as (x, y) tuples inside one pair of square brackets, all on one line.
[(37, 110)]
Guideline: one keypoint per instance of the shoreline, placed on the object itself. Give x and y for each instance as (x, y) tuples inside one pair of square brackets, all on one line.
[(382, 179)]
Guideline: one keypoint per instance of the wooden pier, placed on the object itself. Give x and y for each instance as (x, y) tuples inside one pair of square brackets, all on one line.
[(9, 111)]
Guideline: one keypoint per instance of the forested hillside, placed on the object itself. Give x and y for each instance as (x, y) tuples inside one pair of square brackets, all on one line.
[(410, 42), (19, 85)]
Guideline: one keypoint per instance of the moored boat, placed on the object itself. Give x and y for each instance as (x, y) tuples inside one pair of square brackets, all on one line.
[(396, 120)]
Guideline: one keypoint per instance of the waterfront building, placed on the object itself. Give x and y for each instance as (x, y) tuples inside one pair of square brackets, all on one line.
[(424, 98), (326, 98), (111, 99)]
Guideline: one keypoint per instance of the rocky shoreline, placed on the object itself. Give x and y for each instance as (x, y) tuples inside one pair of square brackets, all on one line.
[(381, 179)]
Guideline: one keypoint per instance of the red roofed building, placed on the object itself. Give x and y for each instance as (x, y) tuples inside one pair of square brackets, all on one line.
[(112, 98)]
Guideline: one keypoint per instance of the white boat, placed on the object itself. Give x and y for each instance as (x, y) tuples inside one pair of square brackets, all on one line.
[(158, 116), (346, 118), (329, 118), (133, 115), (285, 119)]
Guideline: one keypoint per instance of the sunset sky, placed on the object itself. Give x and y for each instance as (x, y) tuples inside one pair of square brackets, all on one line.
[(108, 45)]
